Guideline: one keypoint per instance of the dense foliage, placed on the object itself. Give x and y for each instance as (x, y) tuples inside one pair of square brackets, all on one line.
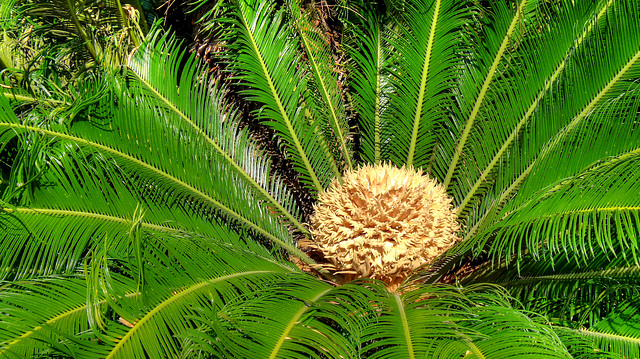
[(140, 217)]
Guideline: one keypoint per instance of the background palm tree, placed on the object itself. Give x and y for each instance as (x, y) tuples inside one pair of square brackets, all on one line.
[(142, 220)]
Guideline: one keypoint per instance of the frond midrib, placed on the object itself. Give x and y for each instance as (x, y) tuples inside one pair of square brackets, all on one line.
[(622, 338), (293, 321), (378, 94), (335, 124), (33, 99), (86, 214), (405, 325), (83, 35), (619, 272)]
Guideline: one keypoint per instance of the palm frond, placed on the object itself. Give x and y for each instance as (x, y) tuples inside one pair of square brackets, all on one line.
[(567, 293), (581, 216), (49, 324), (54, 230), (555, 45), (619, 332), (219, 276), (168, 297), (370, 78), (425, 70), (86, 32), (507, 27), (611, 89), (145, 128), (582, 347), (308, 320), (439, 321), (511, 333), (329, 105), (209, 117), (267, 61), (72, 14)]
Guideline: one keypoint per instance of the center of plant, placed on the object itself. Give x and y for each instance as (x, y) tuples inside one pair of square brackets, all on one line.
[(383, 222)]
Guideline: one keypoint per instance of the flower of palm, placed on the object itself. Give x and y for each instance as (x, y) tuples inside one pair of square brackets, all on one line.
[(148, 224)]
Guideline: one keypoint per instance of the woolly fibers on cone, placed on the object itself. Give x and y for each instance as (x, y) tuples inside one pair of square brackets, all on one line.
[(382, 222)]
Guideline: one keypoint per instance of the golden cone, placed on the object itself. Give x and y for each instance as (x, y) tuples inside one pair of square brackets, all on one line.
[(383, 222)]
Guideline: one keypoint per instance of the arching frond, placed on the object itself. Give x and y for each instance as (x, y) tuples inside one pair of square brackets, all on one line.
[(581, 216), (267, 61), (568, 293), (207, 273), (54, 230), (434, 321), (619, 332), (209, 117), (135, 135), (370, 78), (309, 320), (49, 325), (425, 70), (327, 99), (559, 116)]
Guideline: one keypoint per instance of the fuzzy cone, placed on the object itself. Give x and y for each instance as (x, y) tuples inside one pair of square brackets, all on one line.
[(383, 222)]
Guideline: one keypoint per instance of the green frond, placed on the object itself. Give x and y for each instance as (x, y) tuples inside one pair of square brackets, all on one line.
[(71, 25), (328, 103), (507, 26), (135, 136), (553, 45), (437, 321), (619, 332), (566, 118), (582, 216), (53, 231), (425, 70), (209, 116), (91, 25), (48, 324), (266, 60), (510, 334), (568, 293), (308, 320), (617, 336), (369, 76), (169, 314), (581, 346), (130, 322)]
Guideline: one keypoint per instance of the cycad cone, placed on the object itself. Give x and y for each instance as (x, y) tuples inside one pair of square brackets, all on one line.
[(383, 222)]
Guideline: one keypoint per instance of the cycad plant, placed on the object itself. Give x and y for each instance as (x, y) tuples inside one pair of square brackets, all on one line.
[(472, 169)]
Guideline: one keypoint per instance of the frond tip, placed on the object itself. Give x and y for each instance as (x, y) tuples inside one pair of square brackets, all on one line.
[(383, 222)]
